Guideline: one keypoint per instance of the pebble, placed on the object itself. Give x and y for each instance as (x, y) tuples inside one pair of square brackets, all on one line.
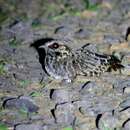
[(126, 103), (21, 103), (126, 125), (111, 39), (94, 106), (21, 31), (108, 121), (64, 114), (88, 87), (82, 33), (28, 127), (63, 30), (121, 85), (61, 96)]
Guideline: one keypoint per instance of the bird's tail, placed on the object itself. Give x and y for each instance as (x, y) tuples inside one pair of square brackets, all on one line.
[(114, 64)]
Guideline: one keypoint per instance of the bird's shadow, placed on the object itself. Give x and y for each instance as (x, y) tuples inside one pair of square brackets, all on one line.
[(41, 52)]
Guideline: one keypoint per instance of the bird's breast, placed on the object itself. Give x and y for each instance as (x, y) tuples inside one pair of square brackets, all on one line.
[(59, 67)]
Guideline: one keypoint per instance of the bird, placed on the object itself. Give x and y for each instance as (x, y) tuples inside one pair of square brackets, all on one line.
[(57, 59), (63, 63)]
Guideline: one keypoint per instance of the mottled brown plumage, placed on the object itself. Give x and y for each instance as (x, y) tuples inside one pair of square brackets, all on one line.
[(61, 62), (94, 64)]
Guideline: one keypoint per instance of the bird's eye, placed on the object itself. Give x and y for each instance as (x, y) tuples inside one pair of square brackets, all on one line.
[(54, 45)]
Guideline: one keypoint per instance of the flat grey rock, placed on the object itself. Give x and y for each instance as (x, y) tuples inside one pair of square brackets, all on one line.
[(121, 85), (108, 121), (61, 96), (29, 127), (126, 103), (126, 125), (82, 33), (64, 114), (110, 39), (21, 103)]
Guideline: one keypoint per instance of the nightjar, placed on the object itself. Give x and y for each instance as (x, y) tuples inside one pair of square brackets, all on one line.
[(58, 61), (61, 62)]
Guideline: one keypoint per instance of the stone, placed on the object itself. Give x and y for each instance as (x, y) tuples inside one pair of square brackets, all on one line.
[(61, 96), (126, 125), (88, 87), (7, 84), (29, 127), (20, 31), (95, 106), (64, 114), (21, 103), (126, 103), (63, 30), (82, 33), (111, 39), (108, 121), (121, 84)]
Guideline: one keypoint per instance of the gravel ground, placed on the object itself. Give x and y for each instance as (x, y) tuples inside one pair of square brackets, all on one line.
[(28, 100)]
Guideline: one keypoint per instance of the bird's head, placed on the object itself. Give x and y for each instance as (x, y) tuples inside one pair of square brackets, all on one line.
[(56, 48)]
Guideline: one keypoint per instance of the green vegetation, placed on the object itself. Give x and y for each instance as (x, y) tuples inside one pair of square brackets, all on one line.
[(13, 42), (66, 13), (36, 94), (92, 7), (68, 10), (3, 17), (68, 128), (24, 83), (2, 66), (35, 23), (53, 10), (23, 112), (105, 126), (3, 127), (57, 17)]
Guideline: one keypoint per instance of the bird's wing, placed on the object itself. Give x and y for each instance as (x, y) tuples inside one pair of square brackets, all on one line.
[(92, 63)]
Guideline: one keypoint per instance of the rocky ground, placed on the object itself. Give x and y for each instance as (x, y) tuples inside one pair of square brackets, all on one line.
[(27, 98)]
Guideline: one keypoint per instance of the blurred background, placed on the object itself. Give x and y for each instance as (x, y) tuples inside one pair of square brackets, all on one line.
[(105, 24)]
